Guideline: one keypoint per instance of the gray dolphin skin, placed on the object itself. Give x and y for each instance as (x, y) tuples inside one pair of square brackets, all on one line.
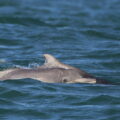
[(52, 71)]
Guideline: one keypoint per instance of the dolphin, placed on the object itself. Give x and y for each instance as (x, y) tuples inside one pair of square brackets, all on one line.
[(52, 71)]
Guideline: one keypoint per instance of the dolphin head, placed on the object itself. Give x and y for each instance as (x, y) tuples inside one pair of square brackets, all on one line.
[(74, 76)]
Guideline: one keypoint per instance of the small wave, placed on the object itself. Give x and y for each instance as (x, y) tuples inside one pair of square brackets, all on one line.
[(103, 99), (100, 34), (22, 21), (12, 94), (2, 61)]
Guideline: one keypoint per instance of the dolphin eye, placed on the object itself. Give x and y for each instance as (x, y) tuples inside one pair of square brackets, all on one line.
[(65, 80)]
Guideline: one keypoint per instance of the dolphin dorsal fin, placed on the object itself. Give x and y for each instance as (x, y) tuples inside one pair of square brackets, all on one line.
[(52, 62)]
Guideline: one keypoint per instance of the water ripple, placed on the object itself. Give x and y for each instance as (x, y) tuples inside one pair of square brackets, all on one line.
[(84, 34)]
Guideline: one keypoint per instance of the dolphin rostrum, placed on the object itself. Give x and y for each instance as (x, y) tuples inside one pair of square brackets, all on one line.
[(52, 71)]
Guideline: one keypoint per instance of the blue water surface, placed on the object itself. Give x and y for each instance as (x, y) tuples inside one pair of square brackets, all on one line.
[(82, 33)]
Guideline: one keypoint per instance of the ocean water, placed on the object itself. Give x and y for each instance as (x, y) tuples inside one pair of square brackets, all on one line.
[(82, 33)]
